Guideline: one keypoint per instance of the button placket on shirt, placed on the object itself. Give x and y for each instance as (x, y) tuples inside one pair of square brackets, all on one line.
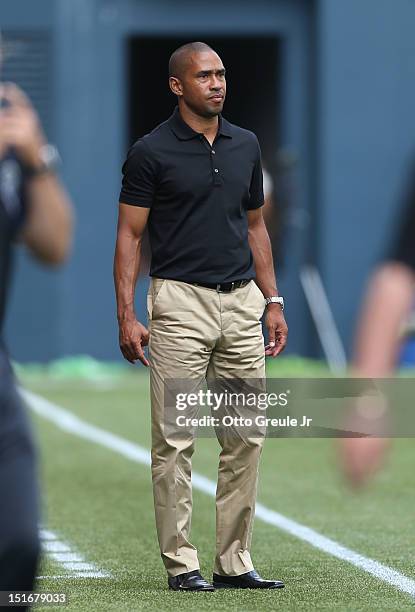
[(216, 173), (213, 162)]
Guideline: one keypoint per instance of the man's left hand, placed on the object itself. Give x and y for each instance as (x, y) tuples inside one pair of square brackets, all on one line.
[(277, 330)]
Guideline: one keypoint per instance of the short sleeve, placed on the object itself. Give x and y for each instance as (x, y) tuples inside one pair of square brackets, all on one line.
[(256, 190), (139, 176)]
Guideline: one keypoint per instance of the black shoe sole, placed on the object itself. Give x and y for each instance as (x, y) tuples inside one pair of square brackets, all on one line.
[(225, 585), (206, 590)]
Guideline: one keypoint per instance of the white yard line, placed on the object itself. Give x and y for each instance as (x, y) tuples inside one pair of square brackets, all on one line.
[(68, 422), (68, 558)]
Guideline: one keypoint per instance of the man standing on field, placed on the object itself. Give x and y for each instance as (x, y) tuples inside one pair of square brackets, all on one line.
[(196, 179)]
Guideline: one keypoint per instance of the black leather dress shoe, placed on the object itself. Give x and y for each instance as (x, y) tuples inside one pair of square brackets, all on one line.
[(250, 580), (189, 581)]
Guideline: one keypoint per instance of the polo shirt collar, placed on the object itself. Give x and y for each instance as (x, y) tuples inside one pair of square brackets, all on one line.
[(183, 131)]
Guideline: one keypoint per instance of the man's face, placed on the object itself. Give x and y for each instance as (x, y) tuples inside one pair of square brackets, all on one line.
[(203, 84)]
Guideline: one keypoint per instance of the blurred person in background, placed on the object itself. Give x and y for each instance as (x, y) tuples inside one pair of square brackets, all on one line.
[(268, 211), (388, 303), (34, 210)]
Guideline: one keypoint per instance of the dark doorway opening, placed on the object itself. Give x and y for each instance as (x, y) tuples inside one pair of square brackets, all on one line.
[(253, 77)]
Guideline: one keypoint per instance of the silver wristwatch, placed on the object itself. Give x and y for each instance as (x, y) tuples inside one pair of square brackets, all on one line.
[(275, 300), (50, 160)]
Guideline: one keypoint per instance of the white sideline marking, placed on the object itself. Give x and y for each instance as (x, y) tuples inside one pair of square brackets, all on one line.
[(70, 423), (70, 560)]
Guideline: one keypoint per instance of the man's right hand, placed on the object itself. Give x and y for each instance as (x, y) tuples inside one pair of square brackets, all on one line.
[(133, 337)]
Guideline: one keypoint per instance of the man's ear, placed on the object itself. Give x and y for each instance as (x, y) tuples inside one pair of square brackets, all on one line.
[(176, 86)]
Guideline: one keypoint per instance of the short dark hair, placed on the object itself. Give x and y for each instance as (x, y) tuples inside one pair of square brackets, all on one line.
[(179, 58)]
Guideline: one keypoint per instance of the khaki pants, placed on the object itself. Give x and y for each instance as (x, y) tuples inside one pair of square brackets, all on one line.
[(198, 333)]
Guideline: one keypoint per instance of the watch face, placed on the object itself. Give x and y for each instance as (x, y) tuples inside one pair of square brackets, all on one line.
[(275, 300), (50, 156)]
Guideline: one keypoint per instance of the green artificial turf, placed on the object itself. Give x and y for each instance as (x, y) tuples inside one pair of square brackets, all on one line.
[(101, 503)]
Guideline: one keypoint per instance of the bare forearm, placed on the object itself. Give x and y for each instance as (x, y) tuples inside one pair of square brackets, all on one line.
[(126, 267), (48, 230), (262, 253), (388, 302)]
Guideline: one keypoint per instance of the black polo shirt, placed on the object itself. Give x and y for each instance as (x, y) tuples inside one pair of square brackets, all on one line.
[(199, 196)]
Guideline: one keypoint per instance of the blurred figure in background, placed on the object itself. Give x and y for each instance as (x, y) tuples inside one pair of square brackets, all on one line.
[(268, 209), (389, 300), (388, 303), (35, 210)]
